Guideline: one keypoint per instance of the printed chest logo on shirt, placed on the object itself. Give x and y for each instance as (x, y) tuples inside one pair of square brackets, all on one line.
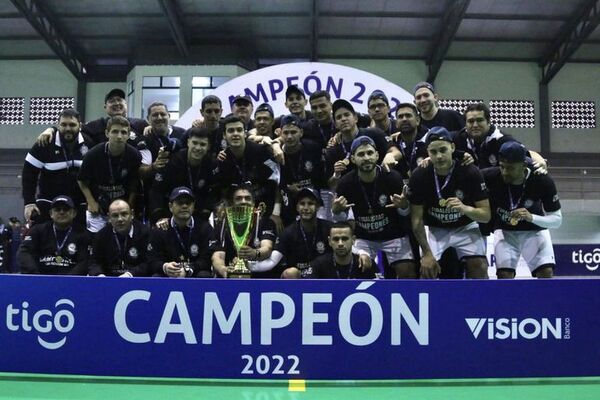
[(320, 247), (382, 200), (133, 252), (84, 149), (528, 203), (194, 250), (308, 166), (459, 194), (72, 248), (493, 160), (124, 172)]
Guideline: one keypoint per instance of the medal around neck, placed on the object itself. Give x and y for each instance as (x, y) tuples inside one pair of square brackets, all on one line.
[(239, 222)]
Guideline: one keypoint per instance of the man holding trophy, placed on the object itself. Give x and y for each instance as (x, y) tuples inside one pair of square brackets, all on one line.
[(242, 238)]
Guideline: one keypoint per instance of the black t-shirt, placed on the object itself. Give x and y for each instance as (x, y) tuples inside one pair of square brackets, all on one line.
[(96, 129), (373, 220), (300, 247), (222, 241), (318, 133), (449, 119), (342, 150), (485, 153), (171, 143), (110, 178), (325, 267), (177, 173), (256, 167), (465, 183), (537, 194), (411, 153)]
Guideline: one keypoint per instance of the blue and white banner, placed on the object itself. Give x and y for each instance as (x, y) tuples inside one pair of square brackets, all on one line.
[(196, 328), (268, 85), (577, 259)]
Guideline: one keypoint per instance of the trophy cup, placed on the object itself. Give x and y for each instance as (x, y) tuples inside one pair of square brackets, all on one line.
[(239, 221)]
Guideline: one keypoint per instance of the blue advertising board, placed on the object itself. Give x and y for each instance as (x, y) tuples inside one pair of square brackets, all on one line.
[(577, 259), (233, 329)]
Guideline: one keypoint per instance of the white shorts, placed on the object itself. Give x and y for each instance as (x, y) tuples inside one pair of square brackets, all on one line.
[(466, 240), (395, 249), (95, 222), (534, 246)]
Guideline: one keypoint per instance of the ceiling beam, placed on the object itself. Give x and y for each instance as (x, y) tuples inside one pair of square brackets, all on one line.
[(176, 24), (573, 34), (453, 15), (46, 24), (314, 34)]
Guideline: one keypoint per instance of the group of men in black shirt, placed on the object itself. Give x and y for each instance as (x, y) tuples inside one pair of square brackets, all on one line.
[(333, 191)]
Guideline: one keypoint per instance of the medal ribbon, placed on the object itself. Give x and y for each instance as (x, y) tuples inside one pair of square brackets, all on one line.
[(59, 246), (439, 189), (180, 240), (337, 271)]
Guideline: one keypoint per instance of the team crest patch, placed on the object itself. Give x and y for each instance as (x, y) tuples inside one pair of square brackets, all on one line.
[(320, 247), (132, 135), (194, 250), (493, 160), (382, 200), (201, 183), (72, 248), (459, 194), (158, 177), (133, 253), (84, 149), (149, 248), (527, 203), (308, 166), (124, 173)]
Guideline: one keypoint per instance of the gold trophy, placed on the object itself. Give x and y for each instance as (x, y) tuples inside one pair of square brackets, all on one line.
[(239, 220)]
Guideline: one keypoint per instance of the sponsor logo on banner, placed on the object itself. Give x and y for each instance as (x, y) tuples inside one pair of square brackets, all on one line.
[(591, 259), (519, 328), (51, 326)]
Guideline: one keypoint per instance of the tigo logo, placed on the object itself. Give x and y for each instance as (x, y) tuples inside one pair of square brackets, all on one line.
[(591, 259), (513, 328)]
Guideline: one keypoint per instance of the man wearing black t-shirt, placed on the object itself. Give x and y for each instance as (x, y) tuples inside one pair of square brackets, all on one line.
[(524, 206), (56, 247), (302, 167), (244, 162), (337, 158), (426, 100), (342, 264), (120, 248), (450, 198), (191, 167), (410, 139), (108, 172), (181, 251), (379, 111), (375, 199), (52, 170), (259, 244)]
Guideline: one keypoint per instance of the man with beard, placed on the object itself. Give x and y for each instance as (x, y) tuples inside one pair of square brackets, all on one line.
[(181, 251), (379, 111), (337, 158), (263, 125), (525, 205), (451, 199), (120, 248), (409, 139), (426, 100), (259, 243), (52, 170), (342, 264), (375, 200), (55, 247), (211, 111), (191, 167), (303, 165), (108, 172)]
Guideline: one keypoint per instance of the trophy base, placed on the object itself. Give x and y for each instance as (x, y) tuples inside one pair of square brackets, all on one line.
[(238, 271)]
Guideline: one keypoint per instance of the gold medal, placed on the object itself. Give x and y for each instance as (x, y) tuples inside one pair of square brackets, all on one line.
[(513, 221), (443, 202), (346, 161), (58, 259)]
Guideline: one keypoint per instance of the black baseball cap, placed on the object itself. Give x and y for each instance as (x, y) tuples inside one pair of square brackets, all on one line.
[(114, 93), (378, 94), (264, 107), (294, 89), (309, 192), (341, 103), (242, 99), (424, 85), (438, 133), (181, 191), (359, 141), (512, 152), (62, 199), (290, 119)]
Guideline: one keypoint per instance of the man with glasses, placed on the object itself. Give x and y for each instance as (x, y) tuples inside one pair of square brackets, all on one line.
[(379, 111)]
